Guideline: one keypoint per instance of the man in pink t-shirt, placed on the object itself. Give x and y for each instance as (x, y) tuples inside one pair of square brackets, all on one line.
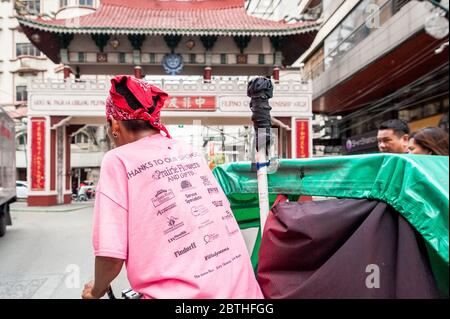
[(159, 209)]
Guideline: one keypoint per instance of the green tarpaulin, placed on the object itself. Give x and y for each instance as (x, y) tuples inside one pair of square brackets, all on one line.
[(417, 186)]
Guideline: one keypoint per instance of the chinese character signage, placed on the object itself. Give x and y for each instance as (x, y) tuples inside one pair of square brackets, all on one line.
[(190, 103), (38, 154), (302, 138)]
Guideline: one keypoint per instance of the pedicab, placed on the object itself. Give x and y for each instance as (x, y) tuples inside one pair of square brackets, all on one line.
[(383, 233), (388, 210)]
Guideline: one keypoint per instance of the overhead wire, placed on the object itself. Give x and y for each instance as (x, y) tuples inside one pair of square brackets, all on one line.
[(369, 106), (393, 108), (399, 92), (442, 84), (388, 98), (416, 58)]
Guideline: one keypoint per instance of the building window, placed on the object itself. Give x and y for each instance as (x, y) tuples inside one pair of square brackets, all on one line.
[(26, 49), (122, 57), (63, 3), (81, 57), (21, 141), (315, 66), (415, 114), (223, 58), (152, 58), (80, 138), (192, 58), (32, 6), (21, 93), (431, 109), (261, 59), (89, 3)]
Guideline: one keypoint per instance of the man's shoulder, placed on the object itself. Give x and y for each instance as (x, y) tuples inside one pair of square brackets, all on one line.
[(112, 157)]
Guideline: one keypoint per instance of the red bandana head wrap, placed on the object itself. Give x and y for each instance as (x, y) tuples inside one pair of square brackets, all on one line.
[(134, 99)]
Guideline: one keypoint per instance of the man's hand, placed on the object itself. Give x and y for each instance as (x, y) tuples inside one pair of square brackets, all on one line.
[(87, 291), (106, 269)]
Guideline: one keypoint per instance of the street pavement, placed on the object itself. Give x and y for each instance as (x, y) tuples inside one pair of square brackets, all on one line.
[(48, 254)]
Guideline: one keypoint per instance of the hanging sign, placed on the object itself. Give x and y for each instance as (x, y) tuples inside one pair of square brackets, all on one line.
[(38, 154), (190, 103), (302, 129)]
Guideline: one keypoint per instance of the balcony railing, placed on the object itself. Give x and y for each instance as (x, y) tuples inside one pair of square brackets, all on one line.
[(220, 86), (373, 22), (224, 97)]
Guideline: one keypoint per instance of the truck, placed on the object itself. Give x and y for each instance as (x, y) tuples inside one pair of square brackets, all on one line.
[(7, 169)]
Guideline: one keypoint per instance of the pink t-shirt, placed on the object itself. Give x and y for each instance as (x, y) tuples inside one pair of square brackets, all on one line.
[(160, 209)]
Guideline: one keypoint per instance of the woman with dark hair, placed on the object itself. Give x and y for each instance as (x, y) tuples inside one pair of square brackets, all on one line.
[(429, 141), (159, 209)]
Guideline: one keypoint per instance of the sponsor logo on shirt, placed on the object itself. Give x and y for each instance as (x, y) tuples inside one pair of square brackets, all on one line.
[(186, 185), (162, 196), (177, 236), (213, 190), (228, 215), (166, 209), (231, 230), (230, 225), (199, 210), (216, 253), (205, 180), (209, 238), (176, 172), (173, 224), (204, 273), (192, 197), (183, 251), (218, 203), (205, 223)]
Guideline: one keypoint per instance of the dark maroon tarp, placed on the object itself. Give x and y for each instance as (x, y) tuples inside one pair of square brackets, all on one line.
[(328, 249)]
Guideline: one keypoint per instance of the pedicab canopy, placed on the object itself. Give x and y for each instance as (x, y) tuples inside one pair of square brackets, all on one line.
[(416, 186)]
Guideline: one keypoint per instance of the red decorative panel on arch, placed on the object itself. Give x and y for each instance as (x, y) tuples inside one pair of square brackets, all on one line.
[(38, 154), (302, 127)]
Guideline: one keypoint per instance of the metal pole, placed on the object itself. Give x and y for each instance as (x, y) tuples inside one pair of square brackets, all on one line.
[(260, 90), (262, 187)]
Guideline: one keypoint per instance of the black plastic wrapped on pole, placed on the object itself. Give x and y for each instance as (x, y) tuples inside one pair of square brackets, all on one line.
[(260, 90)]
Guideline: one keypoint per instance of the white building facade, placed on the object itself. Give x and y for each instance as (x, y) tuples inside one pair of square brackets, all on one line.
[(21, 63), (375, 60)]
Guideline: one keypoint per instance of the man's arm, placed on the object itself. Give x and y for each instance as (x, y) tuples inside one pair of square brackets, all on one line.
[(106, 270)]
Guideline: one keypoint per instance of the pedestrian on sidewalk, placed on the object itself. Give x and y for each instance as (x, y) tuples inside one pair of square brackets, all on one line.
[(429, 141), (393, 137)]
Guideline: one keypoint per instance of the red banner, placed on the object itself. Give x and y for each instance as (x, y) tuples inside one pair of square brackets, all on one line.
[(302, 139), (190, 103), (38, 154)]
